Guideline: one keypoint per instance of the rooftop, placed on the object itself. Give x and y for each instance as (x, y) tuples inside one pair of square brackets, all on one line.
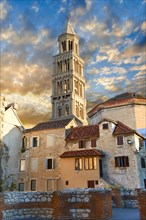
[(81, 153), (119, 100)]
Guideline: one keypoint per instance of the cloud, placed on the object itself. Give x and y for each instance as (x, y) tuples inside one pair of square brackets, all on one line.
[(143, 26), (4, 9), (35, 8), (101, 58)]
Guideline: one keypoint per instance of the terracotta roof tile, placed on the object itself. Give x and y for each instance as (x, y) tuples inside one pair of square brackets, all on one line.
[(82, 153), (49, 125), (83, 132), (122, 129), (122, 99)]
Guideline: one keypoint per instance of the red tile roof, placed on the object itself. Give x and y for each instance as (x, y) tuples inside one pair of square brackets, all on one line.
[(82, 153), (122, 129), (50, 125), (119, 100), (83, 132)]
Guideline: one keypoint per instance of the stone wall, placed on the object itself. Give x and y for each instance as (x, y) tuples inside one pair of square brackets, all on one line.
[(68, 204), (142, 204), (124, 198)]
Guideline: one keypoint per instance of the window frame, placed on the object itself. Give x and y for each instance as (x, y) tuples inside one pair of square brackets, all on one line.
[(90, 164), (37, 141), (20, 165), (52, 163), (31, 187), (19, 188), (105, 126), (122, 162), (78, 163), (82, 144), (93, 142), (120, 140)]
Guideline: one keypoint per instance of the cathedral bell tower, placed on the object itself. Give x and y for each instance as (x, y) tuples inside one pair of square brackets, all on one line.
[(68, 81)]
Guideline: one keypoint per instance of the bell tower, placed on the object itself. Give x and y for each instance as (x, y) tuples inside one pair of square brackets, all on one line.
[(68, 81)]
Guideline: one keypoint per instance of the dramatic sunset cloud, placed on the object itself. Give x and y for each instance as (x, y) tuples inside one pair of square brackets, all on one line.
[(112, 44)]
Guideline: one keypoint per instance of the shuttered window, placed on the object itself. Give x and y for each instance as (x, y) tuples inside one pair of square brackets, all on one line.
[(120, 140), (78, 164), (33, 185), (82, 144), (93, 142), (122, 161)]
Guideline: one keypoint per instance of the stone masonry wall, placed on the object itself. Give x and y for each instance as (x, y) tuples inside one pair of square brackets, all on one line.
[(124, 198), (142, 204), (68, 204)]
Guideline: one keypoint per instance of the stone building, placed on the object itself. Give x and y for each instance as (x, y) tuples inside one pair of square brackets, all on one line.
[(39, 163), (107, 154), (65, 152), (130, 108), (10, 140)]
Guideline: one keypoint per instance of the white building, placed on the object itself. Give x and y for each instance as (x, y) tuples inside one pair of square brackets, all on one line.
[(11, 136)]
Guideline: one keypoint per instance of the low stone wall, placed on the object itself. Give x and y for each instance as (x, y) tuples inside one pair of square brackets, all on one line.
[(124, 198), (142, 204), (68, 204)]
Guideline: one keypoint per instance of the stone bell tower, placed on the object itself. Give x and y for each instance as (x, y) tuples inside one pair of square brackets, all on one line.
[(68, 81)]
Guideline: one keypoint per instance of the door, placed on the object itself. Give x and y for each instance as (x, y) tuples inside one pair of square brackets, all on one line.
[(91, 184)]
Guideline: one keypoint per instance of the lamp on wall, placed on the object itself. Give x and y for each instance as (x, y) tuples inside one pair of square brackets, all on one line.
[(129, 141)]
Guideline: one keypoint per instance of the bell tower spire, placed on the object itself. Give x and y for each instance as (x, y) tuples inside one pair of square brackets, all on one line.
[(68, 81)]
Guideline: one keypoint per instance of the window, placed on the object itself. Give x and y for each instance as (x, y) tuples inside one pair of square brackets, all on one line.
[(78, 164), (50, 164), (52, 184), (122, 161), (145, 183), (143, 163), (120, 140), (34, 164), (91, 184), (59, 111), (22, 165), (105, 126), (24, 142), (90, 163), (66, 110), (82, 144), (33, 185), (93, 142), (21, 187), (66, 182), (35, 141), (51, 139), (100, 168)]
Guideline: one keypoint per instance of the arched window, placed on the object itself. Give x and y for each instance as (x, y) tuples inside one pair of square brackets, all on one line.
[(59, 111), (66, 110), (77, 110), (65, 65), (24, 142), (68, 64)]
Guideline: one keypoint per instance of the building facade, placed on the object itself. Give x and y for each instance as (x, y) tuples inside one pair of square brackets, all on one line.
[(105, 155), (129, 108), (11, 135), (65, 152)]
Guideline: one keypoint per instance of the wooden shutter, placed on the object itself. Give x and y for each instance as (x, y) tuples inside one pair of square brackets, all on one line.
[(126, 162), (116, 161)]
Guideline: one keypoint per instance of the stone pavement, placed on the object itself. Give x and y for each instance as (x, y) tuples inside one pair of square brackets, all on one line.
[(125, 214)]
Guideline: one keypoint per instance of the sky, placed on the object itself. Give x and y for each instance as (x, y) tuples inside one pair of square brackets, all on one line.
[(112, 44)]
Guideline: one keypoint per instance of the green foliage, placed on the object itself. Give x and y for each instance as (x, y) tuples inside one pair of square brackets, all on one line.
[(12, 187)]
